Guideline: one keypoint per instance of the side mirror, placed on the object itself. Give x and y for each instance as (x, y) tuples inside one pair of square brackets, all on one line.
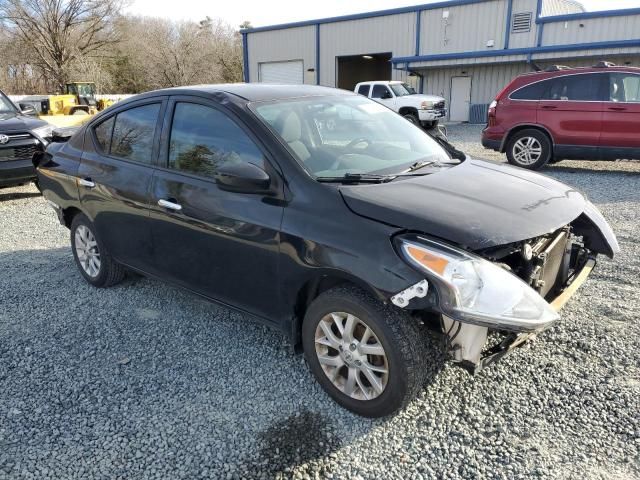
[(27, 109), (242, 177)]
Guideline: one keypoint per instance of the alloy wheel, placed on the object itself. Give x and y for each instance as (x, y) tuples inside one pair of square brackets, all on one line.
[(527, 150), (351, 356), (87, 251)]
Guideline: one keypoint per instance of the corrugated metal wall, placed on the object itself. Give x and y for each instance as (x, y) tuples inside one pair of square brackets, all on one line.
[(528, 39), (392, 33), (467, 29), (592, 30), (281, 45)]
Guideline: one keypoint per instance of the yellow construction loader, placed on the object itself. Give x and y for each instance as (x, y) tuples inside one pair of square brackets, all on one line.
[(72, 108)]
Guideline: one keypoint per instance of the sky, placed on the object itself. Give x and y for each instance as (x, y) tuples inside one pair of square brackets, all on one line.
[(261, 12)]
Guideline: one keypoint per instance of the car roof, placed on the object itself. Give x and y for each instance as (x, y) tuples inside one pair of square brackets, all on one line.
[(386, 82), (254, 92), (571, 70)]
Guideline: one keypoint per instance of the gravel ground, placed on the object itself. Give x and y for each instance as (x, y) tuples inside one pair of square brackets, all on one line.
[(145, 381)]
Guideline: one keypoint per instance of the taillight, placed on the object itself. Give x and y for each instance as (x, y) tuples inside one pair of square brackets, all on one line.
[(491, 113)]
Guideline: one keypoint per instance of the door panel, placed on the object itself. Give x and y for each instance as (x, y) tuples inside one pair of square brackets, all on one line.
[(114, 192), (571, 109), (460, 99), (221, 244), (621, 117)]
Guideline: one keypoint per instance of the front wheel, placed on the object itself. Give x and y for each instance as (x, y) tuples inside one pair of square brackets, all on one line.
[(94, 262), (412, 117), (369, 357), (530, 149)]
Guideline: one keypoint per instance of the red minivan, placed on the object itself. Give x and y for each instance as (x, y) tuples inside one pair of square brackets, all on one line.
[(562, 113)]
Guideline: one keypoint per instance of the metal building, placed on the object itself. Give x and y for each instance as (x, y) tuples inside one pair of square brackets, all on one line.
[(462, 50)]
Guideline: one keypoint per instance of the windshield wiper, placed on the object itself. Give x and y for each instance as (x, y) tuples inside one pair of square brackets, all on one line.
[(418, 165), (357, 178)]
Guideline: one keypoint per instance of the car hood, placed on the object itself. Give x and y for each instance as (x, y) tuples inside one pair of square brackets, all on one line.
[(476, 204), (419, 97), (16, 122)]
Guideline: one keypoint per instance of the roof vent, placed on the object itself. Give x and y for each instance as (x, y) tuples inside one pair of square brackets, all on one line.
[(604, 64), (556, 68), (521, 22)]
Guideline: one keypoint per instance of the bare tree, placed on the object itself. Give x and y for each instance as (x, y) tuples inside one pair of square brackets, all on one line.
[(58, 32)]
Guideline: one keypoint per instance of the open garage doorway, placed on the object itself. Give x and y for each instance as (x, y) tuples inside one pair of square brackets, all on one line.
[(363, 68)]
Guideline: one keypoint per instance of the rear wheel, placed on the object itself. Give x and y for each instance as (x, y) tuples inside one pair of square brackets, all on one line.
[(94, 262), (367, 356), (529, 149)]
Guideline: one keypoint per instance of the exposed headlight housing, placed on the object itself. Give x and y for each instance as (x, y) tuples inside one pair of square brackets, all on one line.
[(44, 132), (426, 105), (474, 290)]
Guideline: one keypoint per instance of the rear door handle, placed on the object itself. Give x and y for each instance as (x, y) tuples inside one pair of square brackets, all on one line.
[(86, 182), (549, 107), (617, 109), (170, 205)]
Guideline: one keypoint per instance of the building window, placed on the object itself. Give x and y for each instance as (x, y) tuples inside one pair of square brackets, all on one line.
[(521, 22)]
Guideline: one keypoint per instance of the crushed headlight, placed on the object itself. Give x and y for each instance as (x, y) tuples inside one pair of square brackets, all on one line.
[(474, 290)]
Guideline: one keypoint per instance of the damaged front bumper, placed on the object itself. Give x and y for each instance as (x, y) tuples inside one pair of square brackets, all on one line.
[(467, 342)]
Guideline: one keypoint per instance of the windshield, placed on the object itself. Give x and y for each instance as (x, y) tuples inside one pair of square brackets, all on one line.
[(348, 135), (5, 104), (402, 89)]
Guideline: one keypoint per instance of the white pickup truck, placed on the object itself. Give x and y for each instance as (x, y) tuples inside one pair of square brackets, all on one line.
[(402, 98)]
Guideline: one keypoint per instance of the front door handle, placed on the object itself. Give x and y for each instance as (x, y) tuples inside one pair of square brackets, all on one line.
[(86, 182), (617, 109), (549, 107), (170, 205)]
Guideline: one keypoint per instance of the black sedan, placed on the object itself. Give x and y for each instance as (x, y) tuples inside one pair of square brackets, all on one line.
[(329, 217), (21, 135)]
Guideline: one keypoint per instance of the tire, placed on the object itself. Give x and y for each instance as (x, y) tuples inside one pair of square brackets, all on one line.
[(103, 273), (412, 117), (392, 332), (530, 149), (429, 125)]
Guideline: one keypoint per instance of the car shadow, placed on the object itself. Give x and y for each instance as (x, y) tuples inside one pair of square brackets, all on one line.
[(585, 170), (17, 195), (165, 360)]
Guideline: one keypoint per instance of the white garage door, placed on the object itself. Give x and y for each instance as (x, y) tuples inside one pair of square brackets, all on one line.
[(282, 72)]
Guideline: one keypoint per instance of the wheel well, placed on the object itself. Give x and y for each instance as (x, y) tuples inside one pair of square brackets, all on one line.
[(407, 110), (307, 294), (68, 214), (519, 128)]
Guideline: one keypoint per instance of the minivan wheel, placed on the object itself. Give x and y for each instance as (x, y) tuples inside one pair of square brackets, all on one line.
[(367, 356), (94, 262), (529, 149)]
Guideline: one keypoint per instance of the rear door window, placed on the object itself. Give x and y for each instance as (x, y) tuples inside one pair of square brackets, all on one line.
[(364, 90), (133, 133), (624, 87), (380, 91), (203, 139), (576, 88)]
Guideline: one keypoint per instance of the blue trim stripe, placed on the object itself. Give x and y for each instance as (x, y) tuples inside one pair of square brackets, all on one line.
[(587, 15), (317, 54), (418, 28), (507, 30), (245, 60), (358, 16), (520, 51)]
